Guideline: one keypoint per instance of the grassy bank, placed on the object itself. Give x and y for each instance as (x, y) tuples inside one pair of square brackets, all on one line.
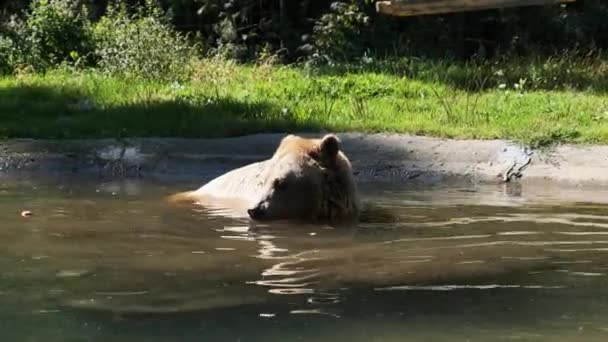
[(533, 102)]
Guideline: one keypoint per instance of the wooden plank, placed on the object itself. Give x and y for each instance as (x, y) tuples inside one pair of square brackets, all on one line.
[(425, 7)]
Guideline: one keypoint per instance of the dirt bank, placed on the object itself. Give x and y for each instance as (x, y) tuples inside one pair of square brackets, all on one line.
[(374, 156)]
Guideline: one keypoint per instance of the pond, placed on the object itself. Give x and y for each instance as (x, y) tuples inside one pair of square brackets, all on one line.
[(112, 261)]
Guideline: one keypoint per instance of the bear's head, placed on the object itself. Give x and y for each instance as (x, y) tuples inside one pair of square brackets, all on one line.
[(308, 179)]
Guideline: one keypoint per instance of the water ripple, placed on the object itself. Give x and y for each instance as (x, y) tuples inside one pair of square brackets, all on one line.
[(465, 287), (457, 237), (564, 219)]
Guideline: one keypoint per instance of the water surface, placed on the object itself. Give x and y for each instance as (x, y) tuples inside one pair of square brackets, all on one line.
[(111, 261)]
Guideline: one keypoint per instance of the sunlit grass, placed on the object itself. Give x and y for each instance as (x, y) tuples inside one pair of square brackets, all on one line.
[(535, 102)]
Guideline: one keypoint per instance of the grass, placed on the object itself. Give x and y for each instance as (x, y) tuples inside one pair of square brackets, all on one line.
[(535, 102)]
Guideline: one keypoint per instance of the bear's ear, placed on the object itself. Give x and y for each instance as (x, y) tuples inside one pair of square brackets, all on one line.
[(330, 146)]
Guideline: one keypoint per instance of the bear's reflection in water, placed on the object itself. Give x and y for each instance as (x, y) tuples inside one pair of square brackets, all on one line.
[(183, 259)]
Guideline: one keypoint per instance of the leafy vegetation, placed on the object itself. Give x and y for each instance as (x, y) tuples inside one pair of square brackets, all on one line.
[(127, 68), (142, 44), (54, 32)]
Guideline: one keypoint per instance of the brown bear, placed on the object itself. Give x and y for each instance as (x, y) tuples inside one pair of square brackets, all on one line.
[(306, 179)]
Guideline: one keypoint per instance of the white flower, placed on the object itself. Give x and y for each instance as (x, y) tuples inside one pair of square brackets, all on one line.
[(176, 86)]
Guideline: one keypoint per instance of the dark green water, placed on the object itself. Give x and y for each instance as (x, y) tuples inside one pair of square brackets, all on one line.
[(114, 262)]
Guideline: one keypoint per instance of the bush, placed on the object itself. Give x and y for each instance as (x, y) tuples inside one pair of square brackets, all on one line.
[(13, 50), (56, 31), (142, 44), (7, 53), (53, 32), (6, 46), (336, 33)]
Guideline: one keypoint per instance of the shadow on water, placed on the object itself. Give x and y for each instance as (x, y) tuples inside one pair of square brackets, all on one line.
[(364, 316)]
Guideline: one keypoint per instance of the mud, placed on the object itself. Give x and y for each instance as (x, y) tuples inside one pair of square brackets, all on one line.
[(389, 157)]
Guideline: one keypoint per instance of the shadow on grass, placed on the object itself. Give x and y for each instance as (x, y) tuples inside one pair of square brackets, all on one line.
[(28, 111), (62, 112)]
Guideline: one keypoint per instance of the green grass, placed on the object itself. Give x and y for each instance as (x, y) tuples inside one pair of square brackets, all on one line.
[(553, 101)]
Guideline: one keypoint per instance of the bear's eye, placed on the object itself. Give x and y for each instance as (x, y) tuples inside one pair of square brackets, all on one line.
[(280, 184)]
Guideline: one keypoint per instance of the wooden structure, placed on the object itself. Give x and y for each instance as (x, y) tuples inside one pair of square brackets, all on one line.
[(406, 8)]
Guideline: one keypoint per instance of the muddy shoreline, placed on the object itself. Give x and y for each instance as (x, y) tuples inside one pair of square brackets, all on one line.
[(381, 157)]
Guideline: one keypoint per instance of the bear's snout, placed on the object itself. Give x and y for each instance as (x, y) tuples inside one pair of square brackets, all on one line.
[(256, 213)]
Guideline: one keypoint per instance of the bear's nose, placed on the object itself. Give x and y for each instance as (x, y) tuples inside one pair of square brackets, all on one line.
[(255, 213)]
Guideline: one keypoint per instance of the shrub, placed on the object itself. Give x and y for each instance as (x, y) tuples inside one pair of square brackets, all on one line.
[(6, 46), (52, 32), (142, 44), (336, 34), (56, 31), (12, 39), (7, 51)]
